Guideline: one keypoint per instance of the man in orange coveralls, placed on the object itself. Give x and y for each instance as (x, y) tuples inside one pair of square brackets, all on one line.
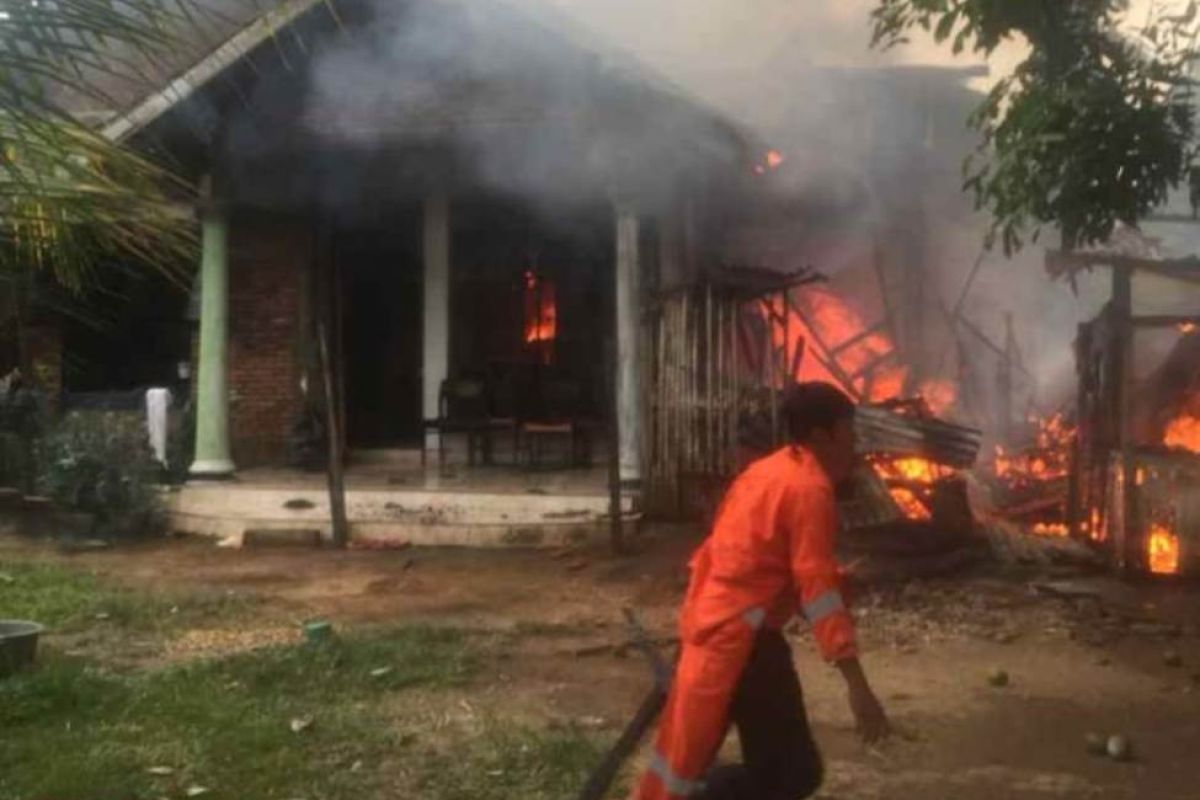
[(769, 556)]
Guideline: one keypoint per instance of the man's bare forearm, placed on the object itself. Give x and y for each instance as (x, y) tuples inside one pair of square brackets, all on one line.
[(852, 671)]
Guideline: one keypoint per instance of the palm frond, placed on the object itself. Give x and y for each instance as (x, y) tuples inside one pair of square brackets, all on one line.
[(69, 197)]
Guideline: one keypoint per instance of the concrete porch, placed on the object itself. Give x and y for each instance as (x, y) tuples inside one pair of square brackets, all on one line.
[(391, 500)]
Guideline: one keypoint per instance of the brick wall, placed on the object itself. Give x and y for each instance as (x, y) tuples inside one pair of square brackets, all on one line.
[(267, 262)]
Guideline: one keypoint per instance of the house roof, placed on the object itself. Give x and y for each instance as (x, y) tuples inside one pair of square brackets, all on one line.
[(229, 37), (236, 29)]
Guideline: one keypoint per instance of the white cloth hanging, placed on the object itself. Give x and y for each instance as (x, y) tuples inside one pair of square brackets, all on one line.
[(158, 403)]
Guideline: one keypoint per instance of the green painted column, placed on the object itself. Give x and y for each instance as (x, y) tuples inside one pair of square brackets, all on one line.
[(213, 458)]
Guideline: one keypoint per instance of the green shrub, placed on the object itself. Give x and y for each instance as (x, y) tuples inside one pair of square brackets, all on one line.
[(100, 463)]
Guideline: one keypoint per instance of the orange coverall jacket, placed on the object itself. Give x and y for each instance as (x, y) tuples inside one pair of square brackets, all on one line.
[(769, 556)]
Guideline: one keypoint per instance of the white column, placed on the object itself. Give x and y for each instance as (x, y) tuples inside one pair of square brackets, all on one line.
[(629, 395), (435, 364)]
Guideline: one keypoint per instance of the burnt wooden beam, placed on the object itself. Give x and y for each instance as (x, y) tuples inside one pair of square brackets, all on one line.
[(832, 366), (858, 337), (1165, 321)]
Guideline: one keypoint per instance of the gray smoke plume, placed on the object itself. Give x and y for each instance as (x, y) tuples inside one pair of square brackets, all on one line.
[(872, 141)]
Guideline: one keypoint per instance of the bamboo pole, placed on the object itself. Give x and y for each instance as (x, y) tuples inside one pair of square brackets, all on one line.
[(680, 340), (690, 427), (769, 367), (736, 358), (787, 333), (719, 411), (709, 365), (660, 394)]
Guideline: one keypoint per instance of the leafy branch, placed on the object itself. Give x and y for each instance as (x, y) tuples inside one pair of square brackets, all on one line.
[(1093, 128)]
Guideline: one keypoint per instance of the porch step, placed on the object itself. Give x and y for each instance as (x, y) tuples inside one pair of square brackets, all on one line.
[(419, 517)]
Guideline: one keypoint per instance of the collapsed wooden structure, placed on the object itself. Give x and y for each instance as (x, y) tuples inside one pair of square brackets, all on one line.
[(1125, 486), (718, 353)]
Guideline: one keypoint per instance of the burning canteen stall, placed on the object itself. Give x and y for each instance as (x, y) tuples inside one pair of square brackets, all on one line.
[(1134, 485)]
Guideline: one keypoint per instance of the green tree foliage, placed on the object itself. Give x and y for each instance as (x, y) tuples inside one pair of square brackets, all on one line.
[(1092, 128)]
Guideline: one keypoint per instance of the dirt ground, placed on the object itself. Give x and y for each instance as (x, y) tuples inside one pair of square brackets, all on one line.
[(1083, 655)]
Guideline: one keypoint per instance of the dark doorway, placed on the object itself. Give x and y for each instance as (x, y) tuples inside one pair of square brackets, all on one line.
[(380, 268)]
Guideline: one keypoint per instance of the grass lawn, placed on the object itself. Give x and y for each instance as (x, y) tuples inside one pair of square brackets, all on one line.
[(364, 715), (65, 599)]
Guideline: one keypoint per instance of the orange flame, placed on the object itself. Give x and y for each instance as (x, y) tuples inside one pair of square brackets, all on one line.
[(910, 505), (915, 474), (774, 159), (939, 395), (541, 310), (1183, 433), (839, 347), (1050, 529), (1162, 550), (1187, 327), (1097, 530), (1047, 459)]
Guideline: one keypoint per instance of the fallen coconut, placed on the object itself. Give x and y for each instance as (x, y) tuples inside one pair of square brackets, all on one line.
[(998, 678), (1119, 748)]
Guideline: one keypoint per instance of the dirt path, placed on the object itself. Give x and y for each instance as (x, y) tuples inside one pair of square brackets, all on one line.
[(1078, 663)]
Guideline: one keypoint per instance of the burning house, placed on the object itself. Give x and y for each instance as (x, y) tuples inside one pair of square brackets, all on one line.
[(426, 221), (430, 224)]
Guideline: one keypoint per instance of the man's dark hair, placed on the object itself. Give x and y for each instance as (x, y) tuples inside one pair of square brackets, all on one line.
[(814, 405)]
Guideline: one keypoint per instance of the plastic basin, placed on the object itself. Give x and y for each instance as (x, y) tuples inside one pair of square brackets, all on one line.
[(18, 644)]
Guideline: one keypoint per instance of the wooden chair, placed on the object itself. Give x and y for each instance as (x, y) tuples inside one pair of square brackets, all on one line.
[(560, 419), (462, 408), (504, 414)]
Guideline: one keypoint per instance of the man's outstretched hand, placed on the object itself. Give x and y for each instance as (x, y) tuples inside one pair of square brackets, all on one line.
[(869, 717)]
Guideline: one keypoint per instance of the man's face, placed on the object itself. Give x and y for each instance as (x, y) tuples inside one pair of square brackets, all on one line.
[(835, 449)]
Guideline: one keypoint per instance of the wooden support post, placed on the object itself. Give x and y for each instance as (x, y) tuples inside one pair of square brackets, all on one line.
[(1075, 515), (1121, 366), (337, 485), (615, 511)]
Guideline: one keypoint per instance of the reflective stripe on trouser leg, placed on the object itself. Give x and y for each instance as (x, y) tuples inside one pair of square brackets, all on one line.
[(696, 715), (675, 785), (823, 605)]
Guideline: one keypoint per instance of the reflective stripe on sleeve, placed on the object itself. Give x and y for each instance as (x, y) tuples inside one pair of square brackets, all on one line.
[(676, 785), (822, 606), (755, 617)]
